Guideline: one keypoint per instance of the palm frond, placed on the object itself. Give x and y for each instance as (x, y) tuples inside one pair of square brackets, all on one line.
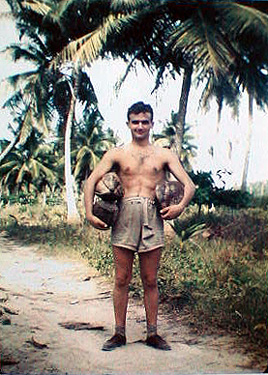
[(6, 166), (82, 152), (10, 175), (40, 7), (34, 168), (62, 6), (128, 5), (41, 124), (47, 172), (18, 81), (26, 127), (88, 48), (242, 19), (199, 39), (24, 169)]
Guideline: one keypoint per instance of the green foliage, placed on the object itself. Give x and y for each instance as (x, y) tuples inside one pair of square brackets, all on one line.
[(205, 188), (260, 202), (184, 229), (25, 198), (208, 194), (39, 164), (218, 275), (232, 198), (21, 198), (97, 250)]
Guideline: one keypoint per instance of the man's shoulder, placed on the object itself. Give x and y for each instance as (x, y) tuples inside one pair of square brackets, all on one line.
[(162, 151), (115, 152)]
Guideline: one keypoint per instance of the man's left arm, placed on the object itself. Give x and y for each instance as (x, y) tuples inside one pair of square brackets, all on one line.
[(176, 168)]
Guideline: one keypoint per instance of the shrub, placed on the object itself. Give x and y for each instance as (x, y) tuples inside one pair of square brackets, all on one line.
[(208, 194)]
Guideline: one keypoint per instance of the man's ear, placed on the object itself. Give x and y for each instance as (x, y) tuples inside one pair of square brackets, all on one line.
[(127, 124)]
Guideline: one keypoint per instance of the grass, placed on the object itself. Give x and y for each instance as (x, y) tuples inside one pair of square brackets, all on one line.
[(214, 270)]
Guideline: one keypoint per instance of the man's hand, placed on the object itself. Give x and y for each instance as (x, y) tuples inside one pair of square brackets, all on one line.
[(97, 223), (172, 212)]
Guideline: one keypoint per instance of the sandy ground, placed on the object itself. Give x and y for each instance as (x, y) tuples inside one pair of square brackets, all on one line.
[(40, 294)]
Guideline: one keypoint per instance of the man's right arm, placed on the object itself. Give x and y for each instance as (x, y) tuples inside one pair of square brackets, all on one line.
[(104, 166)]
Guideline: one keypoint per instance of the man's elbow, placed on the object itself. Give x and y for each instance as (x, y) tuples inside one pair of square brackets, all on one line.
[(86, 184), (192, 189)]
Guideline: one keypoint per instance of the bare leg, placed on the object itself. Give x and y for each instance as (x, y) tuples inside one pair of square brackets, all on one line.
[(123, 260), (149, 263)]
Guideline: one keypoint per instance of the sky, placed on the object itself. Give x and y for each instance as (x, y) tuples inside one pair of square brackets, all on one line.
[(138, 86)]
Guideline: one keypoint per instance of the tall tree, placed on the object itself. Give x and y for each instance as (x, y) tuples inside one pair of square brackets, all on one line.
[(187, 36), (41, 16), (73, 90), (250, 68), (30, 101)]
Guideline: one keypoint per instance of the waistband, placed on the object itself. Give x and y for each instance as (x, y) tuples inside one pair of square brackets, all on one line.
[(139, 199)]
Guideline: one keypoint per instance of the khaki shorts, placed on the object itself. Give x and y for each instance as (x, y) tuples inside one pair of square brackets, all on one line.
[(139, 226)]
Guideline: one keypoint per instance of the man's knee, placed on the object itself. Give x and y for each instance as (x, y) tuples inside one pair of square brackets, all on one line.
[(149, 282), (122, 280)]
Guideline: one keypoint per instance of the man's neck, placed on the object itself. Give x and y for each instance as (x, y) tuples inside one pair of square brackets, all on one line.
[(141, 143)]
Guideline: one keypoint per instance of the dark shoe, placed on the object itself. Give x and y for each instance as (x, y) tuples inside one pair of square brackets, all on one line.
[(114, 342), (157, 342)]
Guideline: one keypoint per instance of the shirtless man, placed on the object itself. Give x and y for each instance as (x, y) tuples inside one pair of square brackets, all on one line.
[(139, 227)]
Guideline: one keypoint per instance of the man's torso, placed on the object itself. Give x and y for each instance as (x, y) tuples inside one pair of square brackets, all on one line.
[(140, 169)]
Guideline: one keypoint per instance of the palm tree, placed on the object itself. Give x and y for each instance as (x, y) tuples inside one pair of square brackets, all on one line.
[(167, 138), (256, 83), (224, 90), (30, 167), (250, 66), (73, 90), (37, 93), (91, 143), (71, 82), (198, 37), (32, 91), (228, 45), (195, 37)]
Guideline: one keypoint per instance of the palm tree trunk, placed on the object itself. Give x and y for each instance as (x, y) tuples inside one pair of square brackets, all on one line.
[(72, 212), (185, 91), (9, 147), (248, 144)]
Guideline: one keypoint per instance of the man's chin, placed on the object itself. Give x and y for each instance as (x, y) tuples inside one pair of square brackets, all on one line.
[(140, 136)]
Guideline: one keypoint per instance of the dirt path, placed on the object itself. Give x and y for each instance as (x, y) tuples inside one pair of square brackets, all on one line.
[(39, 293)]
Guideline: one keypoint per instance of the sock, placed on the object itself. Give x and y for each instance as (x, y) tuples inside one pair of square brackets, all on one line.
[(120, 330), (151, 330)]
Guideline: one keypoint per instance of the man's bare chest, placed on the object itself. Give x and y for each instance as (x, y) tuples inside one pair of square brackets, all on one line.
[(141, 164)]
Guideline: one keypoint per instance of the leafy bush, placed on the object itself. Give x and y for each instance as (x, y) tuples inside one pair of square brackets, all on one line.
[(260, 202), (208, 194), (231, 198), (21, 198), (205, 188), (24, 198)]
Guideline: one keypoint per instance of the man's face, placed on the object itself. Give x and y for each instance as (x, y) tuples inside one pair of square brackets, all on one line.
[(140, 125)]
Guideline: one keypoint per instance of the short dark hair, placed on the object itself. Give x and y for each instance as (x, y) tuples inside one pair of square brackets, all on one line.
[(138, 108)]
